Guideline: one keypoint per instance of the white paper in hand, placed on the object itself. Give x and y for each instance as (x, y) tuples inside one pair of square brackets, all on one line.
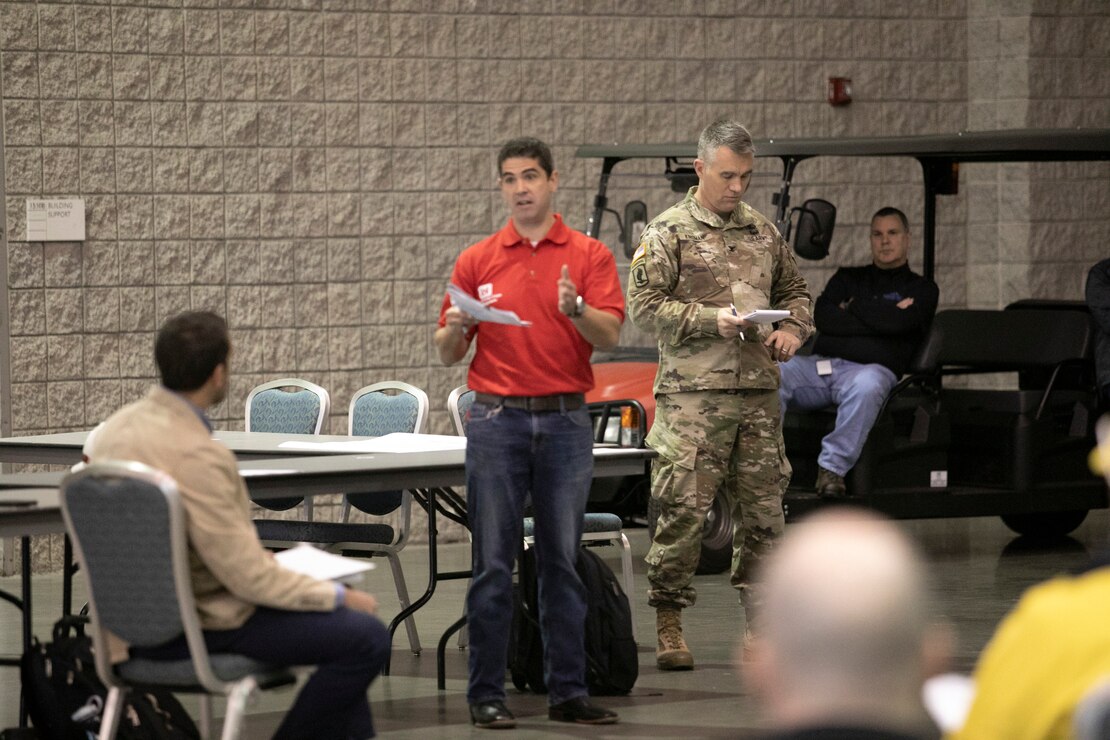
[(312, 561), (766, 316), (477, 310)]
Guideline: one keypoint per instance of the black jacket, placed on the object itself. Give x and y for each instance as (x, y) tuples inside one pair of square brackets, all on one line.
[(1098, 300), (870, 327)]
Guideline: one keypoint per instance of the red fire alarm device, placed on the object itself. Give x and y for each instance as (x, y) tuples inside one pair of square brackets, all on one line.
[(840, 90)]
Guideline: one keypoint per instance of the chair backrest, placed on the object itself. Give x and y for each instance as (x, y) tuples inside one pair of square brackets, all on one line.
[(287, 406), (1002, 341), (127, 526), (384, 408), (458, 403), (387, 407)]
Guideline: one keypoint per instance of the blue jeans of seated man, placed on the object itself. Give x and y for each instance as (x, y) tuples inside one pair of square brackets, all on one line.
[(511, 453), (857, 390)]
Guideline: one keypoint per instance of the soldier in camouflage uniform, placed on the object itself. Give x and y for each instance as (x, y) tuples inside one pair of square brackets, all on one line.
[(702, 265)]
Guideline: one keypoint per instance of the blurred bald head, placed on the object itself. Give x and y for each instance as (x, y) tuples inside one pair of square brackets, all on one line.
[(844, 632)]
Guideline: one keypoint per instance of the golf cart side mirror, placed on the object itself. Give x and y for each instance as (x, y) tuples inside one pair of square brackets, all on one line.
[(813, 234), (634, 222)]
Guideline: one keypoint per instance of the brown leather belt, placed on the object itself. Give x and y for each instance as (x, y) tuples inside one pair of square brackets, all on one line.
[(568, 401)]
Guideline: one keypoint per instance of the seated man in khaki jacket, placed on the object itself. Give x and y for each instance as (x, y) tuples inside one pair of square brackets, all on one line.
[(247, 603)]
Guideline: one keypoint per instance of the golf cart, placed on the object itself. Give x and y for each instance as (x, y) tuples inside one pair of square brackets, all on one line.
[(996, 416)]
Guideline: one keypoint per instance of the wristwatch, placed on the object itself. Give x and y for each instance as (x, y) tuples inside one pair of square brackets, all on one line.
[(579, 307)]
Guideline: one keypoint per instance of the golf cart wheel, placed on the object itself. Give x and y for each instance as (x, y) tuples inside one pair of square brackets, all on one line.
[(1045, 525), (716, 537)]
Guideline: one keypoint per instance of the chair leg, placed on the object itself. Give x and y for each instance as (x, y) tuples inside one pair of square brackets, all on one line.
[(205, 716), (626, 572), (113, 709), (236, 707), (403, 597)]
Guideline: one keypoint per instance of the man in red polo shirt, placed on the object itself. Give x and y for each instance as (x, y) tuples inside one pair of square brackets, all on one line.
[(529, 431)]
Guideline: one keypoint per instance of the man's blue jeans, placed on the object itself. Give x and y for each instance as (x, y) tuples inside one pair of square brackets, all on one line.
[(857, 390), (511, 454)]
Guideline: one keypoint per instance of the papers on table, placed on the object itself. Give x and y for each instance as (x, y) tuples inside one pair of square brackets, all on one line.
[(251, 472), (396, 442), (312, 561), (766, 316), (478, 310)]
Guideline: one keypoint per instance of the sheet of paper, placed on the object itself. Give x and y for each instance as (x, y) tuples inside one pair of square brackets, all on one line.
[(480, 311), (267, 471), (396, 442), (766, 316), (312, 561), (947, 698)]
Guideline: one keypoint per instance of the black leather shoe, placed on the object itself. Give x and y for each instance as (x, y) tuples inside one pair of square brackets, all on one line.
[(493, 715), (581, 710)]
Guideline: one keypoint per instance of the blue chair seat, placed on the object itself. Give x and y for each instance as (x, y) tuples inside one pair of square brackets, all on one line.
[(181, 673), (592, 523)]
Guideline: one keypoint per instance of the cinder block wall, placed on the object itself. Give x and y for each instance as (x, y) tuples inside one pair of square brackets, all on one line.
[(311, 168)]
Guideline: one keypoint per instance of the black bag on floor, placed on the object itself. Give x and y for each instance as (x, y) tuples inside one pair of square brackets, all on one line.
[(612, 664), (65, 697)]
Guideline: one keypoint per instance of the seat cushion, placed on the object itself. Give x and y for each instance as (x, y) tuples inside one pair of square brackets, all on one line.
[(180, 674), (591, 524), (282, 530)]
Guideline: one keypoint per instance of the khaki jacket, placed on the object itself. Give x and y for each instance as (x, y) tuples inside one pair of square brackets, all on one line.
[(231, 572), (691, 263)]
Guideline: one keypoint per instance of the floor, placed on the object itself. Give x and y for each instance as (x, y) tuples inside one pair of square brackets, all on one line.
[(980, 570)]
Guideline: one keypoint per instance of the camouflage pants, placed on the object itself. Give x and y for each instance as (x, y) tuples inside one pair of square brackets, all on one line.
[(705, 438)]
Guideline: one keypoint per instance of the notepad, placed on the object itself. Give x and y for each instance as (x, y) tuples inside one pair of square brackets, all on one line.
[(312, 561), (766, 316)]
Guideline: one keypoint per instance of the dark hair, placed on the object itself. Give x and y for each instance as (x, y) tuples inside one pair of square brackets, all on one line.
[(526, 146), (892, 211), (189, 347)]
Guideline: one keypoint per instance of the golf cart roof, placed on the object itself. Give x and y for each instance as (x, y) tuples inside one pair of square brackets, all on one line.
[(1018, 145)]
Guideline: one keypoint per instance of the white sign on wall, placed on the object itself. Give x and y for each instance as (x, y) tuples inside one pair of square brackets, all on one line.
[(59, 220)]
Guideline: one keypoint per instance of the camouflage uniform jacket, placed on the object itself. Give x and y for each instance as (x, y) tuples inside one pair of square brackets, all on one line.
[(691, 263)]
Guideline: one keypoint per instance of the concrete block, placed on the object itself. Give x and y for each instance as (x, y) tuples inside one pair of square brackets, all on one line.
[(410, 258), (243, 262), (28, 312), (380, 342), (64, 309), (341, 34), (410, 301), (132, 122), (135, 216), (20, 71), (29, 409), (129, 30), (206, 170), (408, 169), (239, 77), (98, 170), (375, 77), (344, 260), (277, 216), (237, 32), (94, 28), (247, 339), (311, 307), (241, 170), (56, 27), (241, 124), (309, 169), (25, 265), (376, 255), (271, 32), (312, 349), (102, 398), (243, 214), (202, 78), (275, 170), (208, 298), (341, 79), (274, 79), (64, 357), (100, 217), (28, 359), (408, 76), (244, 308), (343, 215), (171, 217), (165, 31), (306, 77), (101, 263), (170, 125), (275, 124), (167, 78), (168, 301), (310, 215), (342, 124), (204, 124), (172, 263), (102, 313), (377, 213), (278, 305), (94, 76), (23, 170), (206, 216), (306, 33), (22, 126), (279, 351), (377, 303), (344, 303), (308, 124), (202, 31), (57, 76), (136, 359), (136, 263)]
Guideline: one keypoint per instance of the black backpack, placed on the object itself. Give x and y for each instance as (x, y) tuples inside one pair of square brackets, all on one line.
[(65, 697), (612, 664)]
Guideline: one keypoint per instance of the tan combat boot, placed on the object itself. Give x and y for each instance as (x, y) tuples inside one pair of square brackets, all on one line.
[(672, 653)]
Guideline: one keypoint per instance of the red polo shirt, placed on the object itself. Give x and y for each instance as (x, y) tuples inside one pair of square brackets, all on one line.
[(550, 356)]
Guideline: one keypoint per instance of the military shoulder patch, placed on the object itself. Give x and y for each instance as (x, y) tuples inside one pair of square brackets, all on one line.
[(639, 274)]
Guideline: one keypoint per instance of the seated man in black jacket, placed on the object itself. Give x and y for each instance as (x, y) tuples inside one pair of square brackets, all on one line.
[(870, 321)]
